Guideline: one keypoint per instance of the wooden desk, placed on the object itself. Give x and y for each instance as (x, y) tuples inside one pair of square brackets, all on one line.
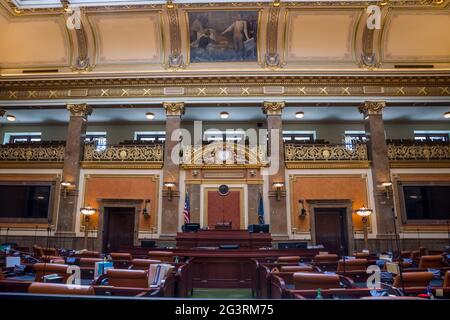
[(215, 238)]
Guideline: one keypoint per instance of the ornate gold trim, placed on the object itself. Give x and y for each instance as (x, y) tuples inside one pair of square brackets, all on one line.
[(31, 164), (273, 108), (79, 110), (369, 108), (120, 165), (174, 108), (419, 164), (329, 165)]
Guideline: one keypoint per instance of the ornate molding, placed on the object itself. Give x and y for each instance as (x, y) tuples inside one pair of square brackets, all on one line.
[(326, 152), (419, 152), (148, 153), (273, 108), (79, 110), (224, 86), (31, 153), (176, 60), (174, 108), (369, 108), (272, 58)]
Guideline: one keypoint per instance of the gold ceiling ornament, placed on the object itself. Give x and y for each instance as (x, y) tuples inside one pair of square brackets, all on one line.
[(272, 58), (316, 152), (174, 108), (418, 151), (148, 153), (273, 108), (372, 108), (176, 60), (79, 110)]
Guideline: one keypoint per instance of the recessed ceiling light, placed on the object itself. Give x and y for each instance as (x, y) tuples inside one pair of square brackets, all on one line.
[(10, 117), (300, 115), (224, 115), (447, 115), (150, 116)]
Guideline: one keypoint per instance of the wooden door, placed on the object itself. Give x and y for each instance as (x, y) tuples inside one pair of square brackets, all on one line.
[(330, 228), (224, 208), (119, 228)]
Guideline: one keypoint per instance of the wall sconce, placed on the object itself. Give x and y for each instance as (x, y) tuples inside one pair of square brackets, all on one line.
[(87, 212), (252, 173), (169, 186), (195, 173), (145, 211), (364, 213), (66, 187), (388, 188), (278, 186), (302, 211)]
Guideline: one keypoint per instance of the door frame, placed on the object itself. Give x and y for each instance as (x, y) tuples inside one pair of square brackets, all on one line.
[(117, 203), (204, 188), (345, 204)]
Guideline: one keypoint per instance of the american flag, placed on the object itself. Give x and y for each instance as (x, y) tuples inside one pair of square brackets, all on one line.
[(187, 209)]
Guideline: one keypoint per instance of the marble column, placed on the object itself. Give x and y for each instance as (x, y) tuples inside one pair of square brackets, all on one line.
[(277, 202), (74, 150), (378, 155), (171, 171)]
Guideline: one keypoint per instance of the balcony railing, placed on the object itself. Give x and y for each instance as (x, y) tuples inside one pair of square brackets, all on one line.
[(324, 152), (419, 151), (42, 151), (125, 153)]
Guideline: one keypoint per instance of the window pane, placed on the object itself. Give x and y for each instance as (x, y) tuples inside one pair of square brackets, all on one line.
[(427, 202)]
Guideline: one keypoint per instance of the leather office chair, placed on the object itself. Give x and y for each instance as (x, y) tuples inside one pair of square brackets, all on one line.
[(89, 254), (296, 269), (352, 265), (62, 289), (164, 256), (127, 278), (435, 261), (413, 279), (44, 269), (361, 255), (288, 259), (313, 281), (142, 264), (121, 260), (447, 279), (326, 258)]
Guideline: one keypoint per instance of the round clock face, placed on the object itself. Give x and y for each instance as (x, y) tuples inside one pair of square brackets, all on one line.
[(223, 190)]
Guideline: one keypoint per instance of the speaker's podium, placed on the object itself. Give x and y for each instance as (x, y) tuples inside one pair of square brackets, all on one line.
[(223, 235)]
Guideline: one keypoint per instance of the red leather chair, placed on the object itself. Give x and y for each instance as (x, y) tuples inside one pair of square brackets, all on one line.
[(413, 279), (142, 264), (296, 269), (288, 259), (313, 281), (127, 278), (44, 269), (62, 289), (352, 265), (163, 256), (435, 261)]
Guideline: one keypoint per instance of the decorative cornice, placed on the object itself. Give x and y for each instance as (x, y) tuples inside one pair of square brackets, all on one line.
[(121, 165), (79, 110), (369, 108), (121, 87), (174, 108), (273, 108), (328, 165)]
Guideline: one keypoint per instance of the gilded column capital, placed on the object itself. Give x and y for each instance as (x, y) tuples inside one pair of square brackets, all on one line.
[(174, 108), (79, 110), (273, 108), (369, 108)]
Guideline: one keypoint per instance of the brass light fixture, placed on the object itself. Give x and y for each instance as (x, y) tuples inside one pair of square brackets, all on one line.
[(145, 211), (364, 213), (10, 117), (150, 115), (447, 115), (278, 186), (387, 186), (224, 115), (66, 187), (299, 115), (169, 186), (87, 212)]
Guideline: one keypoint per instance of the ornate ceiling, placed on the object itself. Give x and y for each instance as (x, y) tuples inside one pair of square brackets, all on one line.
[(151, 49)]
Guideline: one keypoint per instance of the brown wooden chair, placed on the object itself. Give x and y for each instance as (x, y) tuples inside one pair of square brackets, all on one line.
[(313, 281), (44, 269), (142, 264), (163, 256), (127, 278), (61, 289), (413, 279), (288, 259)]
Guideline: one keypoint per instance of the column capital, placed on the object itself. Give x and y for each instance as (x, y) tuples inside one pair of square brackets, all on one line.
[(369, 108), (79, 110), (174, 108), (273, 108), (2, 112)]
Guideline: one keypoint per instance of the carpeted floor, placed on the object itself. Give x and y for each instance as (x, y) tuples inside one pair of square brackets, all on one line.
[(201, 293)]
